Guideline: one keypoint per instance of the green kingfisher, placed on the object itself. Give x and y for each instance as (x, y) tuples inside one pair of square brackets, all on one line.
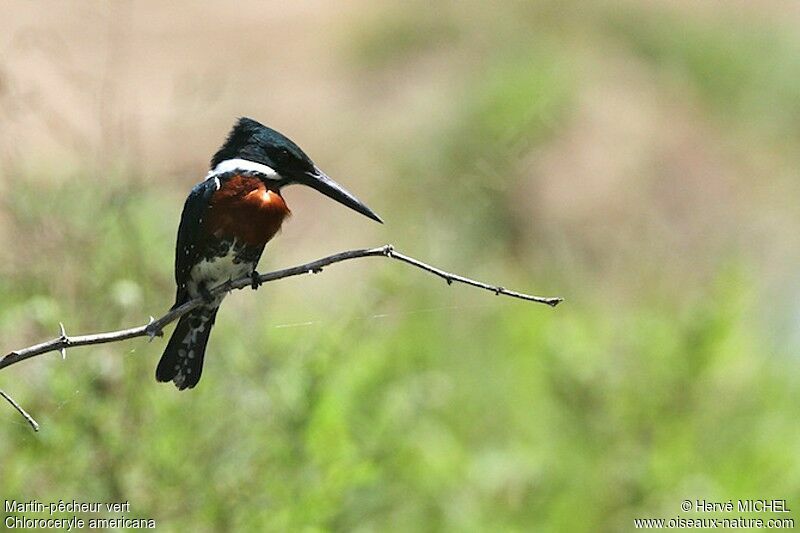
[(227, 220)]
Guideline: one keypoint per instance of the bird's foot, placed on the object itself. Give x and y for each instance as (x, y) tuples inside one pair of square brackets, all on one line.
[(205, 294), (255, 282)]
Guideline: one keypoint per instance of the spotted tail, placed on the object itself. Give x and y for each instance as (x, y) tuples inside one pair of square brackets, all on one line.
[(182, 361)]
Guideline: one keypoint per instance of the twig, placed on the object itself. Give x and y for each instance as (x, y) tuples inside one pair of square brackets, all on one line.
[(28, 418), (155, 326)]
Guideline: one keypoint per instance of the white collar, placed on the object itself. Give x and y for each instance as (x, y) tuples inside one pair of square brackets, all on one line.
[(230, 165)]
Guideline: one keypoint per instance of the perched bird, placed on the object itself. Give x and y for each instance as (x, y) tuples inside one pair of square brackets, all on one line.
[(226, 221)]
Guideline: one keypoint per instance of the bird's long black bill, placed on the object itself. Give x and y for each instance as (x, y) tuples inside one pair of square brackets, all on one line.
[(320, 181)]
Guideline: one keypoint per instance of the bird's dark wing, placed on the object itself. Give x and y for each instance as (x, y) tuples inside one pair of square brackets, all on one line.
[(187, 250)]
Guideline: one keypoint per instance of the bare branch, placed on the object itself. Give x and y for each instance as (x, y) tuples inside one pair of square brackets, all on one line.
[(155, 326), (28, 418)]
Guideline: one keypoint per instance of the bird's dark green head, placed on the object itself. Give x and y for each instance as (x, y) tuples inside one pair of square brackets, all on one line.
[(253, 147), (252, 141)]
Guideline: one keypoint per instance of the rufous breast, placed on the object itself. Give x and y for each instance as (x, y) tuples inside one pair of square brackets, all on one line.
[(246, 209)]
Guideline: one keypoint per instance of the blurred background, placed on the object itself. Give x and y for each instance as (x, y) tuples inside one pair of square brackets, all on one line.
[(639, 159)]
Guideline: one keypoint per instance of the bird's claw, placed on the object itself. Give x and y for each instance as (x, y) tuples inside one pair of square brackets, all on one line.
[(255, 281), (205, 294)]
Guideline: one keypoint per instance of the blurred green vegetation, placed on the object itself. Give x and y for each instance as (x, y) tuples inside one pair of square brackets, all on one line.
[(745, 70), (418, 407)]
